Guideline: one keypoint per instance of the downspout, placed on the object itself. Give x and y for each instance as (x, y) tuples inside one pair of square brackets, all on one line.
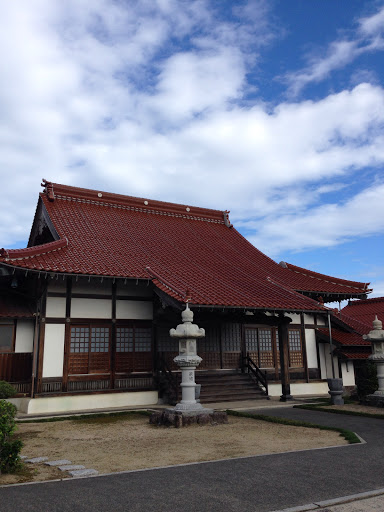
[(331, 345)]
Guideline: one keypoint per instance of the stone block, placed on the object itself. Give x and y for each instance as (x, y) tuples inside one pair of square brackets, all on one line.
[(71, 467), (57, 462), (36, 460), (83, 472)]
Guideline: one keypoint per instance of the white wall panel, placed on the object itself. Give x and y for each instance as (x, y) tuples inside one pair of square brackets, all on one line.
[(134, 310), (53, 350), (310, 339), (348, 373), (91, 308), (55, 307), (24, 335)]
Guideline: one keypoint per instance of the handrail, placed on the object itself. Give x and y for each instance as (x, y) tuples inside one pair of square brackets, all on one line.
[(167, 379), (259, 376)]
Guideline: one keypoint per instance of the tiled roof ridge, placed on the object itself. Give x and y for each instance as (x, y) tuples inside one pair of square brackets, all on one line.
[(30, 252), (323, 277), (292, 291), (359, 302), (54, 191)]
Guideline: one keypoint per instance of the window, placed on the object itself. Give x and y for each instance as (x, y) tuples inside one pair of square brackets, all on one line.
[(133, 348), (89, 350), (6, 337)]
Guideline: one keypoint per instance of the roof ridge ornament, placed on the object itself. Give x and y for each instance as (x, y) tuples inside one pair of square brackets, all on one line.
[(48, 189), (226, 218)]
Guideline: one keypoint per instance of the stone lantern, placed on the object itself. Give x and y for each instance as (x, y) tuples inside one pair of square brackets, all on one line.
[(187, 333), (188, 410), (376, 337)]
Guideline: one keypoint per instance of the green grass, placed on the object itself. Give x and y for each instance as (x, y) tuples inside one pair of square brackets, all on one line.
[(106, 416), (348, 435)]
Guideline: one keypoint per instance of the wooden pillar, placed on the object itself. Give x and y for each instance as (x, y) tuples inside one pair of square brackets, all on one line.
[(67, 333), (113, 336), (284, 357), (304, 347), (40, 356)]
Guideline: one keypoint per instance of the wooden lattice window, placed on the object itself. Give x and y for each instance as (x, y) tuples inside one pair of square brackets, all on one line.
[(124, 339), (295, 349), (133, 348), (266, 351), (89, 349), (7, 336)]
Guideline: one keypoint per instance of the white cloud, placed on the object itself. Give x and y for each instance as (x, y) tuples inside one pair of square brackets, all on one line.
[(360, 216), (367, 38), (147, 98)]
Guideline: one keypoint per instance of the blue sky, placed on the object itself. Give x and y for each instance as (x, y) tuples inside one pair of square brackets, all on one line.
[(272, 109)]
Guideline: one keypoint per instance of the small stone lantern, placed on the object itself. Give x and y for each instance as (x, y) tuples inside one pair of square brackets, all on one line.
[(187, 360), (376, 337)]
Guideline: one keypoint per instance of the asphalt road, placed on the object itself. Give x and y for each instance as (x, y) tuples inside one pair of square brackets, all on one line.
[(260, 484)]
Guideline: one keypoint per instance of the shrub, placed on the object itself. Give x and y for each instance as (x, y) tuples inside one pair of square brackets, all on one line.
[(366, 380), (6, 390), (9, 448)]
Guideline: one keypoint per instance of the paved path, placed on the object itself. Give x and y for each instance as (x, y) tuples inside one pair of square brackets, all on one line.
[(261, 484)]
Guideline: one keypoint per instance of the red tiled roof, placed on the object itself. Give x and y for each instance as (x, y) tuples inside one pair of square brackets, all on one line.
[(365, 310), (308, 281), (344, 338), (14, 307), (185, 248)]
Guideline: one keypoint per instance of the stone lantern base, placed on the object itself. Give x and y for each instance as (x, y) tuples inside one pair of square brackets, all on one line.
[(177, 419), (375, 400)]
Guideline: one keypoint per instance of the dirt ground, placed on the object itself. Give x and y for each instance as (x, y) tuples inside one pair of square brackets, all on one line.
[(111, 444)]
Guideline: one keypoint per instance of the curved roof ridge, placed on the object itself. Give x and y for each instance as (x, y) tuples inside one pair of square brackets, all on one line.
[(359, 302), (97, 197), (324, 277), (29, 252)]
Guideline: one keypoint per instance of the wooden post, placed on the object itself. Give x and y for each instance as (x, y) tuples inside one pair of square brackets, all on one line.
[(40, 353), (113, 337), (284, 357), (67, 335), (304, 347)]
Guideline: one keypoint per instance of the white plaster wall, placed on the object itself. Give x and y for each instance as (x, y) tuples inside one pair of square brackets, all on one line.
[(310, 340), (24, 335), (295, 318), (301, 388), (55, 307), (322, 320), (309, 319), (323, 367), (85, 402), (91, 308), (134, 310), (53, 350), (348, 373)]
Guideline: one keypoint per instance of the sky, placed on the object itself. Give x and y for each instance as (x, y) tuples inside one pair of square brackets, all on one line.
[(271, 109)]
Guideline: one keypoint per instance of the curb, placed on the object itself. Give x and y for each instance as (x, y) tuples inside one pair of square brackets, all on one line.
[(317, 505)]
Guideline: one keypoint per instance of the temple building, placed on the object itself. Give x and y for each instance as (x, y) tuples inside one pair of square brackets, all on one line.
[(86, 308)]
